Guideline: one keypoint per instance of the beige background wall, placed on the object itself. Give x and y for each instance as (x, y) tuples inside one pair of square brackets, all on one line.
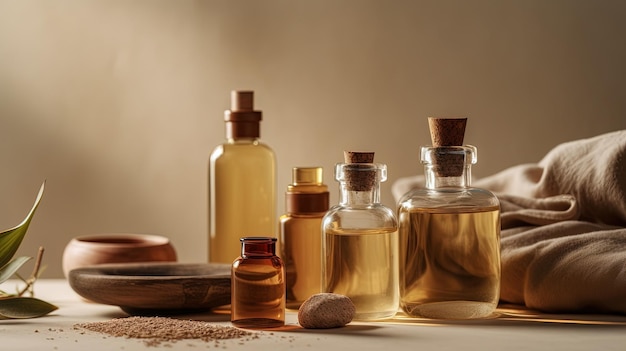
[(117, 103)]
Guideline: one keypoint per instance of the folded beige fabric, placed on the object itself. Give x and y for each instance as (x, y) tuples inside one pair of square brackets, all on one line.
[(519, 211), (563, 227), (592, 170), (570, 266)]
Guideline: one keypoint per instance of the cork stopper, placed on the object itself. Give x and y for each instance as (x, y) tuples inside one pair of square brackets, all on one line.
[(445, 132), (242, 121), (358, 157), (360, 176)]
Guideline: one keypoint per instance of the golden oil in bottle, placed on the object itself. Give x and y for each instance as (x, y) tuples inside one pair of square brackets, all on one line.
[(362, 265), (451, 265)]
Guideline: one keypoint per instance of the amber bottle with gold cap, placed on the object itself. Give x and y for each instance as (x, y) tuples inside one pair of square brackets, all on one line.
[(449, 234), (360, 240), (242, 182), (306, 202)]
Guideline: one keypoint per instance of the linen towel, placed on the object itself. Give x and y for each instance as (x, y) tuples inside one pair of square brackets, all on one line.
[(563, 227)]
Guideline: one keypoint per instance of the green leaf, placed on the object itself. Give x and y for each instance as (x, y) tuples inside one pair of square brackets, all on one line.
[(10, 268), (24, 307), (11, 239)]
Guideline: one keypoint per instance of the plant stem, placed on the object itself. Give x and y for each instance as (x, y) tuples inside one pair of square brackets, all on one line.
[(33, 277)]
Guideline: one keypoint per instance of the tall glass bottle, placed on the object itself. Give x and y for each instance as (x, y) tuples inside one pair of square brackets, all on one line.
[(449, 236), (242, 182), (306, 202), (360, 241), (258, 285)]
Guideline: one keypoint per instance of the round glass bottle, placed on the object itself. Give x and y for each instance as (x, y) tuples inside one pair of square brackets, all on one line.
[(258, 285), (449, 240), (360, 243)]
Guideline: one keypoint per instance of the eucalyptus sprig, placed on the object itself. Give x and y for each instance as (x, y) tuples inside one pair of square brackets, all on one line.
[(17, 305)]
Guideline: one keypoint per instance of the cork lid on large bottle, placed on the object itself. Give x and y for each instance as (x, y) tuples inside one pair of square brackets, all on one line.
[(449, 131), (242, 121), (445, 134)]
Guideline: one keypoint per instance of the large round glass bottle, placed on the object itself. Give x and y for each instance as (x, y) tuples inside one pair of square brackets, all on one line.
[(449, 240)]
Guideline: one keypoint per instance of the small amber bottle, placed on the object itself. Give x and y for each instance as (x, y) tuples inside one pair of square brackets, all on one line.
[(258, 285)]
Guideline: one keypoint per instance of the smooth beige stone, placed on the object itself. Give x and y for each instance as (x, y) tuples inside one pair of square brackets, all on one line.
[(326, 310)]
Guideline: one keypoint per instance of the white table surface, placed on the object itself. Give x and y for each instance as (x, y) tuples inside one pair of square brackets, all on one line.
[(511, 329)]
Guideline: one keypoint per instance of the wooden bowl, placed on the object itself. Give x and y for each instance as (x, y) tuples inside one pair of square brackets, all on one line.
[(95, 249), (155, 288)]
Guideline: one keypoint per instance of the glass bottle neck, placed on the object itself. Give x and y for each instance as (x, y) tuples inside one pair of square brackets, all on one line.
[(352, 197), (258, 247), (359, 183), (242, 141), (434, 179), (448, 166)]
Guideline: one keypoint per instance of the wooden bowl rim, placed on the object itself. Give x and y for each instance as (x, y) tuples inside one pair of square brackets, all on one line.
[(121, 240), (127, 271)]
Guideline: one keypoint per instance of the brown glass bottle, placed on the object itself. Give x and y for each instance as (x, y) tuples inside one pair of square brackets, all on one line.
[(258, 285)]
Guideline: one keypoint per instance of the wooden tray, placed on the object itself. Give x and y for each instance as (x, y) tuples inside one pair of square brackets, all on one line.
[(154, 288)]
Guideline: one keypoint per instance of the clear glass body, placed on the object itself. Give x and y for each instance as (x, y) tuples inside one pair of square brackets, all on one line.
[(360, 249), (258, 285), (242, 196), (449, 242)]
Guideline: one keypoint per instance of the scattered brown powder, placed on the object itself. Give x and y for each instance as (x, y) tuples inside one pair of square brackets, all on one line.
[(157, 330)]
